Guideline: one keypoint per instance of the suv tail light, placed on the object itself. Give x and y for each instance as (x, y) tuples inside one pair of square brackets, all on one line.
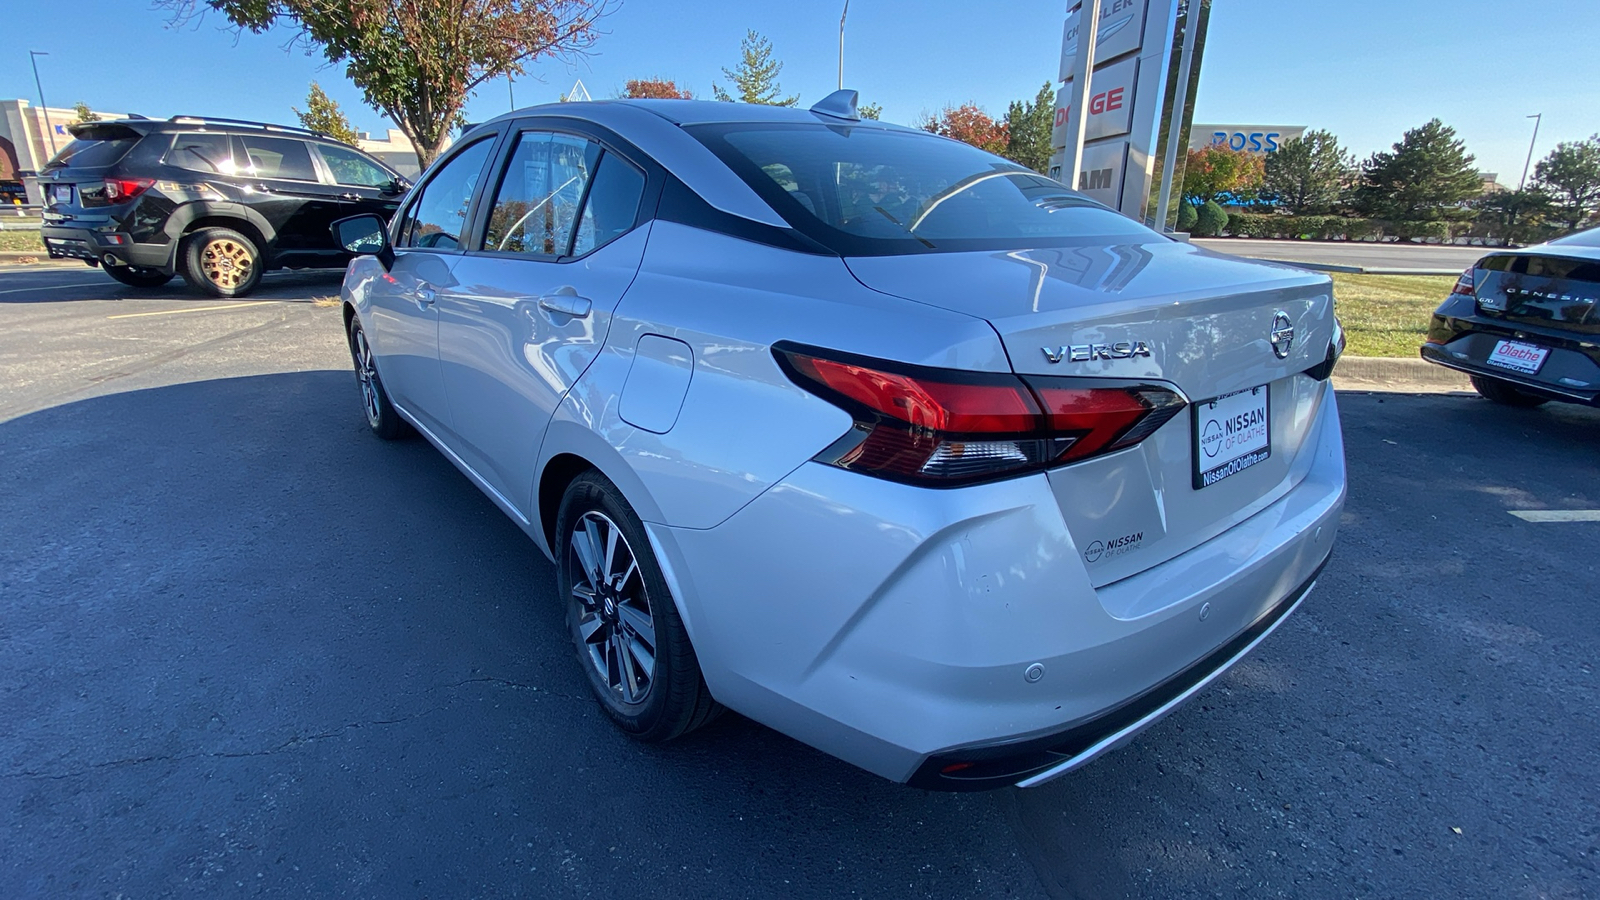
[(944, 427), (121, 190), (1464, 283)]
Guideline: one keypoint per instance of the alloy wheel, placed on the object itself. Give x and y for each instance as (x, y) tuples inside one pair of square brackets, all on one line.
[(611, 608), (226, 263), (366, 375)]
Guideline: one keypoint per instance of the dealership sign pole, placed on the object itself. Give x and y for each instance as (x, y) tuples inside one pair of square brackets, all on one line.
[(1113, 116), (1078, 94)]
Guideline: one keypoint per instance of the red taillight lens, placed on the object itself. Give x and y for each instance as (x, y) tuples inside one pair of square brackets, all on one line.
[(121, 190), (1463, 284), (936, 426)]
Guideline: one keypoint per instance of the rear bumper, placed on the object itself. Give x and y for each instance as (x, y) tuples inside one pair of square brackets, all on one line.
[(96, 246), (910, 631), (1463, 342)]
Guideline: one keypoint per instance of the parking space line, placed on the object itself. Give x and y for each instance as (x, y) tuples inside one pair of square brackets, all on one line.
[(173, 312), (58, 287), (1557, 515)]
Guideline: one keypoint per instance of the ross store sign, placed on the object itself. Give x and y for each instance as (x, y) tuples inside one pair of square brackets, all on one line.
[(1254, 138), (1110, 106), (1121, 31)]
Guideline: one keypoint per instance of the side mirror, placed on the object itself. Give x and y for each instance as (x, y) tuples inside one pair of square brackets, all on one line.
[(394, 187), (364, 235)]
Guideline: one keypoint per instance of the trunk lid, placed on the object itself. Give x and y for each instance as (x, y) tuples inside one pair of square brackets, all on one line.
[(1161, 311), (75, 177), (1540, 288)]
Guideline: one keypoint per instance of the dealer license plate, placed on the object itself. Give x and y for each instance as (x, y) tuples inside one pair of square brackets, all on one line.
[(61, 193), (1518, 357), (1231, 433)]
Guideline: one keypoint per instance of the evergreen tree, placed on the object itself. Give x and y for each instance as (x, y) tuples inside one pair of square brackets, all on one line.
[(755, 78), (323, 114), (1515, 216), (1028, 129), (1571, 176), (1428, 178), (1308, 175)]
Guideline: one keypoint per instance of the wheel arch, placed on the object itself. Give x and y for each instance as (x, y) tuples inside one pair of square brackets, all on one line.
[(192, 217)]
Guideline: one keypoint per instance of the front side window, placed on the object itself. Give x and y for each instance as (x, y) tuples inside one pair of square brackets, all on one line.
[(350, 167), (536, 205), (438, 218), (270, 157), (869, 191), (202, 152)]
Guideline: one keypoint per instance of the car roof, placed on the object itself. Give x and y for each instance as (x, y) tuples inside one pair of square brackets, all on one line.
[(701, 112)]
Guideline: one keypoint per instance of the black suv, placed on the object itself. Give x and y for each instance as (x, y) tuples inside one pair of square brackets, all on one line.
[(1525, 324), (218, 201)]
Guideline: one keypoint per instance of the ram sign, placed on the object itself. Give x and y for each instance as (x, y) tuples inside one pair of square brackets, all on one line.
[(1255, 138)]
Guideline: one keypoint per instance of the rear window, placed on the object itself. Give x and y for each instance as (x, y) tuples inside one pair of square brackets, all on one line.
[(96, 147), (870, 192)]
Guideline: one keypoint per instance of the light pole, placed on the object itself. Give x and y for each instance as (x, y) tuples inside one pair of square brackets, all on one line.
[(841, 42), (1537, 118), (44, 108)]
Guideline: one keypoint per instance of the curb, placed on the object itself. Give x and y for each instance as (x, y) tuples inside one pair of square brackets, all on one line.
[(1407, 376)]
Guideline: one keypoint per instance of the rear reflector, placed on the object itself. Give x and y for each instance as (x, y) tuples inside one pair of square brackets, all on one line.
[(945, 427)]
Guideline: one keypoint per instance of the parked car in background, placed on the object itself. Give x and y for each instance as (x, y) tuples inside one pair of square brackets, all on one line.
[(1525, 324), (218, 201), (884, 441)]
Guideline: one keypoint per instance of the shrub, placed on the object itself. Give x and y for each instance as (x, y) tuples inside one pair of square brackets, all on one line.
[(1210, 220), (1186, 216), (1405, 231)]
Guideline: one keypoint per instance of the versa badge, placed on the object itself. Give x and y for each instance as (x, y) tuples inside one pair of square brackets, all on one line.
[(1089, 352)]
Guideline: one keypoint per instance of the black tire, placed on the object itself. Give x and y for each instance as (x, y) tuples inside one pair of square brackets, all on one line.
[(1505, 393), (220, 261), (381, 416), (138, 276), (674, 700)]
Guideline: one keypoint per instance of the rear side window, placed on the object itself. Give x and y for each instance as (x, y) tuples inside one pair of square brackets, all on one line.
[(270, 157), (536, 204), (200, 152), (612, 206), (350, 167), (438, 218)]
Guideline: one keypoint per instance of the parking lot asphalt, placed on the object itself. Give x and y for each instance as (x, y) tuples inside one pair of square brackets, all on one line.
[(248, 649)]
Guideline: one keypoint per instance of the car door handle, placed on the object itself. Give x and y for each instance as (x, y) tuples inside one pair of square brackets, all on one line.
[(350, 197), (425, 296), (567, 304)]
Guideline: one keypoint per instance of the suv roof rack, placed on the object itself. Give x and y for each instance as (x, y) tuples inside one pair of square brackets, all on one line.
[(264, 126)]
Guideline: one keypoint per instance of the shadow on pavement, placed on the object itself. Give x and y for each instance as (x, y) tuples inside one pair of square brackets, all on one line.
[(250, 648), (55, 285)]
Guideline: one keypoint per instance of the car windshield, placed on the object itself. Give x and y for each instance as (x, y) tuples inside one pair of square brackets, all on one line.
[(871, 192)]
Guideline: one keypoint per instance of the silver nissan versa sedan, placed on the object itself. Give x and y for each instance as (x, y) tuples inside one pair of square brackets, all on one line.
[(888, 443)]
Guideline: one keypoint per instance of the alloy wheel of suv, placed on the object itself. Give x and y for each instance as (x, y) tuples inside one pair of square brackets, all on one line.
[(222, 262)]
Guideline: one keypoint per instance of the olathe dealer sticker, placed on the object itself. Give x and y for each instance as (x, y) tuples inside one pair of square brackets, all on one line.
[(1231, 433)]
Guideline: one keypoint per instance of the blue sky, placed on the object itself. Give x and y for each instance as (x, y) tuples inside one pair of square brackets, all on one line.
[(1365, 69)]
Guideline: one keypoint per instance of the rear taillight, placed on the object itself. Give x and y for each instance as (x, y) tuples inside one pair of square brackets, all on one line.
[(1463, 284), (121, 190), (944, 427)]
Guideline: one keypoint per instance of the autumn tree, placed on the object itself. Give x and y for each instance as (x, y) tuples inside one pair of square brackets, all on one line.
[(1028, 130), (417, 61), (755, 78), (1570, 175), (84, 113), (655, 89), (323, 114), (1428, 177), (971, 125), (1309, 175), (1217, 169)]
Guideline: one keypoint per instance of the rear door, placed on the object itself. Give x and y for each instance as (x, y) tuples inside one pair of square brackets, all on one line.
[(530, 304), (290, 194)]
